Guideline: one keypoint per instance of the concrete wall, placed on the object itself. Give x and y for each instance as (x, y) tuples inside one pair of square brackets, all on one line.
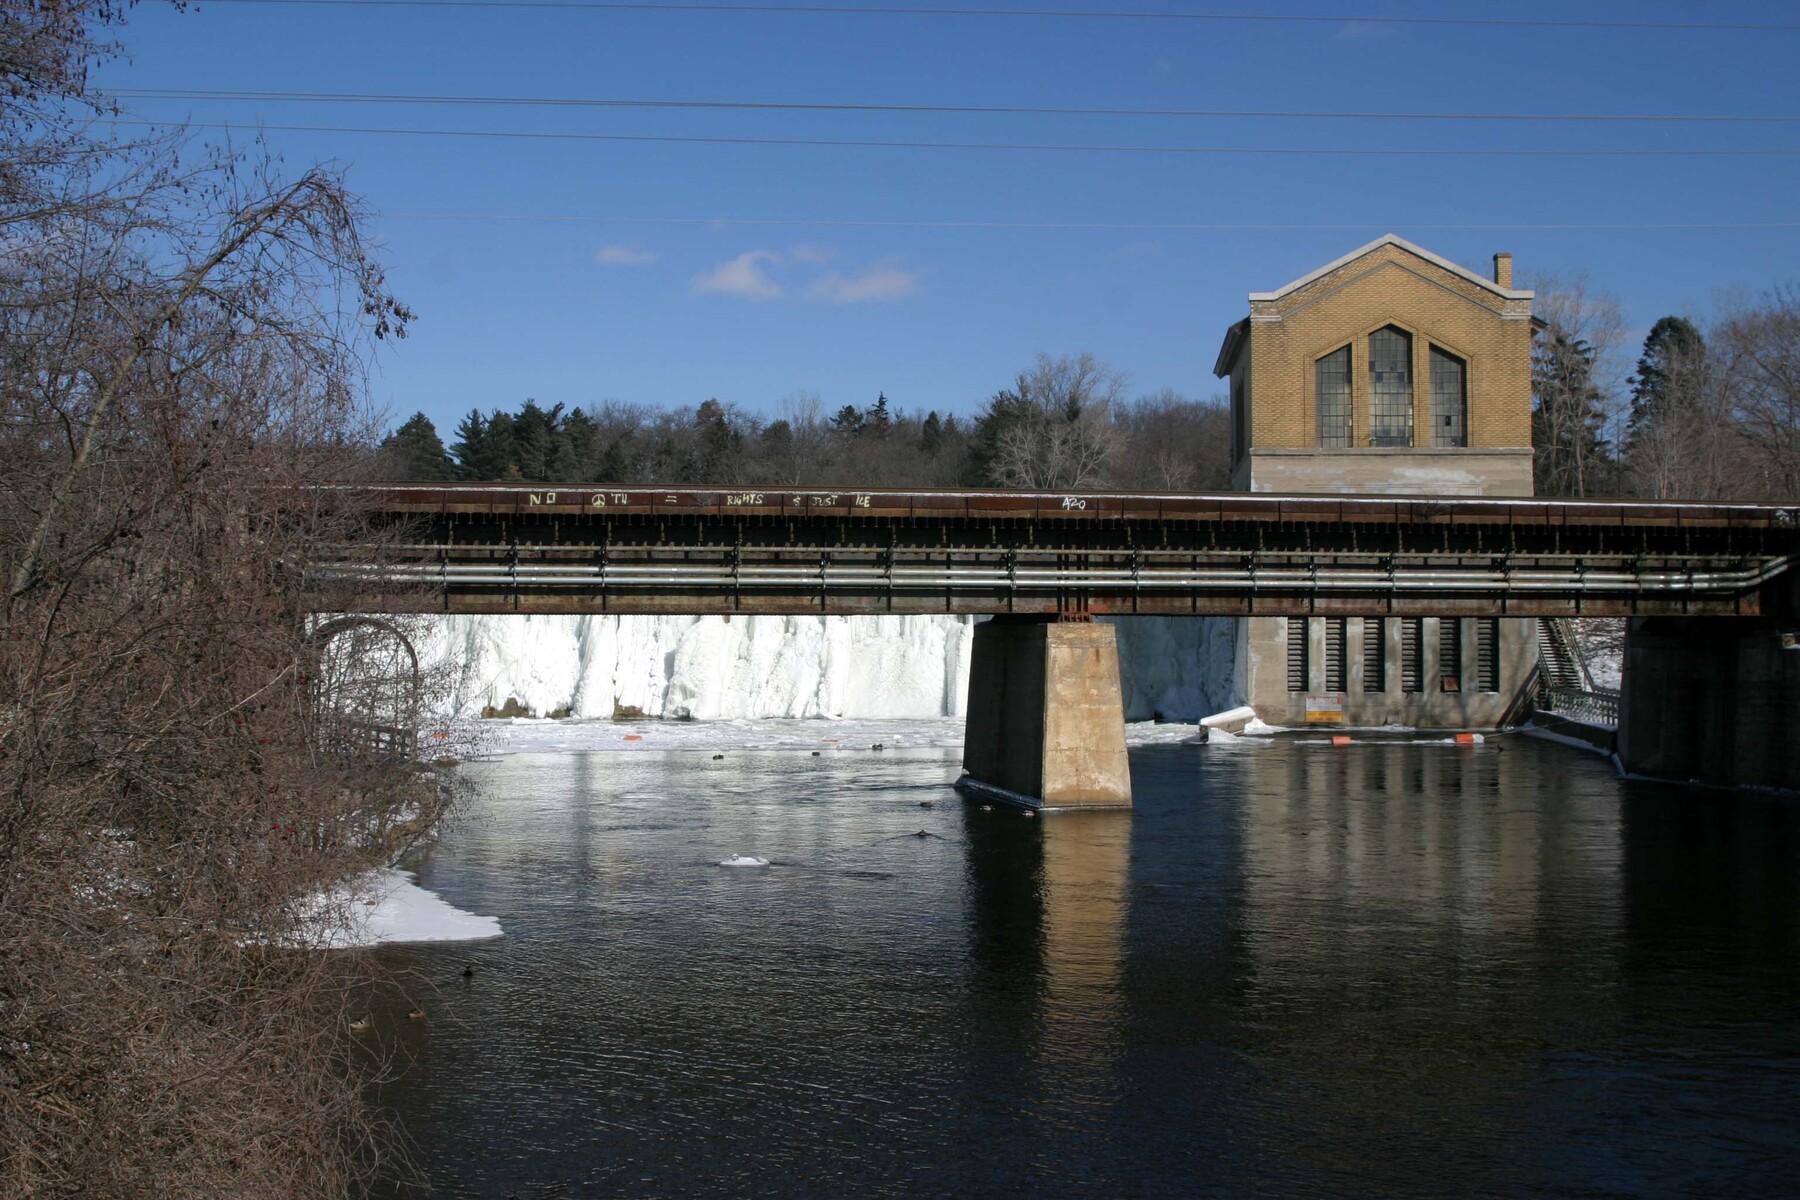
[(1388, 471), (1432, 707), (1003, 741), (1715, 700), (1045, 717)]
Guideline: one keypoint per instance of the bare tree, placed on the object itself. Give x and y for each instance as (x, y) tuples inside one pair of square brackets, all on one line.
[(1053, 428), (1758, 372), (1173, 443), (797, 447), (183, 350), (1575, 375)]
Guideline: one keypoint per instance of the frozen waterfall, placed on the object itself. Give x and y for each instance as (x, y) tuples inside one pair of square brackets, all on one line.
[(715, 667)]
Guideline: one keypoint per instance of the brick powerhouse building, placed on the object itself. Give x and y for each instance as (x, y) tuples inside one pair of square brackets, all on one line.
[(1392, 371)]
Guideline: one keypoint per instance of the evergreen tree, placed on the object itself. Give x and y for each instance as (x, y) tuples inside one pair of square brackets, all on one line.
[(1674, 445), (931, 433), (484, 446), (1676, 438), (1007, 415), (721, 446), (877, 420), (1669, 375), (414, 451), (470, 446), (574, 458), (500, 454), (848, 420), (535, 433), (1571, 456)]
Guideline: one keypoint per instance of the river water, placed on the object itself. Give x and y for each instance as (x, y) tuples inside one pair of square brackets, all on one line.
[(1293, 970)]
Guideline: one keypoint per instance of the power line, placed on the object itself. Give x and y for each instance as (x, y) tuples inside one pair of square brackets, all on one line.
[(885, 10), (1101, 226), (1059, 147), (983, 109)]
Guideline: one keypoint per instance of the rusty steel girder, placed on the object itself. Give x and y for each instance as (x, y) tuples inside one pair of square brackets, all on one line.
[(512, 548)]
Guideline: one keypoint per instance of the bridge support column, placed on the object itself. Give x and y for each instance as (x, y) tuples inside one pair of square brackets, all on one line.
[(1711, 699), (1046, 722)]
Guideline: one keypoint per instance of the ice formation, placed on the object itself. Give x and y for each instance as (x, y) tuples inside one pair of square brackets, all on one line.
[(732, 668), (388, 905)]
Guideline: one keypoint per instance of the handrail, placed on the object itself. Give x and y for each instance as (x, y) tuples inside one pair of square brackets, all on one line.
[(1596, 706)]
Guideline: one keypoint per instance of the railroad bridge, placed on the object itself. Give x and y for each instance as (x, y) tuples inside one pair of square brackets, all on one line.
[(1712, 678)]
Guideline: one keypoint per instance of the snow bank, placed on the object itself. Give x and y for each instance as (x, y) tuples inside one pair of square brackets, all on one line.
[(720, 668), (712, 737), (388, 905)]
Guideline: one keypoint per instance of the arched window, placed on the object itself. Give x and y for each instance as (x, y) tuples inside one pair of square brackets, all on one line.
[(1390, 388), (1334, 398), (1449, 399)]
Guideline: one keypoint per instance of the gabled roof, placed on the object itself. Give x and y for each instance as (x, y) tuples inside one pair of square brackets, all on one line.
[(1394, 239), (1234, 342)]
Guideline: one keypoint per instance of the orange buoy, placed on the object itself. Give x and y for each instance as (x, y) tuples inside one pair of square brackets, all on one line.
[(1465, 739), (1339, 739), (634, 737)]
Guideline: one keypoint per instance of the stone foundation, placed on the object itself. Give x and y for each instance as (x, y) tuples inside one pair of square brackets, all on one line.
[(1046, 724)]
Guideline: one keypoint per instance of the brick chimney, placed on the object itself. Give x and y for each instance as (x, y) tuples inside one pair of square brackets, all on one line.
[(1503, 269)]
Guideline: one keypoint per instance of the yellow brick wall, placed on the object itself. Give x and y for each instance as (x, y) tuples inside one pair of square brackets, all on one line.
[(1390, 285)]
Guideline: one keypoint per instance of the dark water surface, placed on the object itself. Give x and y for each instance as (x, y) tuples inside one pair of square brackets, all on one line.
[(1294, 970)]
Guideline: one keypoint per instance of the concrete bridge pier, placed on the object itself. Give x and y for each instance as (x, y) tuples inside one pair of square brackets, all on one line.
[(1712, 699), (1046, 720)]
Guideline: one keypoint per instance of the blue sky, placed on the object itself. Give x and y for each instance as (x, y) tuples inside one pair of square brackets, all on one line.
[(914, 272)]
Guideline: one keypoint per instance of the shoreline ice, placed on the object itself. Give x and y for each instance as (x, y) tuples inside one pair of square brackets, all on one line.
[(521, 735), (385, 906)]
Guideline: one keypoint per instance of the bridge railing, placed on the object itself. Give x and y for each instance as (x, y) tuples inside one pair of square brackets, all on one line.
[(1596, 706)]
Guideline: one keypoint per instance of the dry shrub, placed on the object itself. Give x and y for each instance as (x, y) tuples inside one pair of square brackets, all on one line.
[(179, 353)]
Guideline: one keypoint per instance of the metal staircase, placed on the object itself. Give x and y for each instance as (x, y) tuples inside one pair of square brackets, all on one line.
[(1559, 662), (1564, 685)]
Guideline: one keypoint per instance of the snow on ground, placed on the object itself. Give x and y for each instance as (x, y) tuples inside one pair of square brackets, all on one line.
[(1601, 641), (537, 736), (388, 905)]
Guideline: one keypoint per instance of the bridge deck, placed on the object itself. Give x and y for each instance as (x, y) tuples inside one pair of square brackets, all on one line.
[(523, 548)]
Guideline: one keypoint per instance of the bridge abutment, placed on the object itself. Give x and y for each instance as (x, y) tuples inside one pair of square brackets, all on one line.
[(1711, 699), (1046, 720)]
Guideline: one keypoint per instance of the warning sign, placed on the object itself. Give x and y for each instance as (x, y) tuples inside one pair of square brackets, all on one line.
[(1325, 710)]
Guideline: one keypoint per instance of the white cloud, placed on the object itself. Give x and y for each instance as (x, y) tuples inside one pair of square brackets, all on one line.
[(624, 256), (742, 276), (877, 283), (810, 252)]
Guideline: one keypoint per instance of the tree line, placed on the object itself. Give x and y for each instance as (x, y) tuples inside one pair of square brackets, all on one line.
[(1062, 423), (1711, 410)]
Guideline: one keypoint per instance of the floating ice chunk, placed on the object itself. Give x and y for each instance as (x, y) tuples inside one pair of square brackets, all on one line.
[(743, 860), (1233, 720)]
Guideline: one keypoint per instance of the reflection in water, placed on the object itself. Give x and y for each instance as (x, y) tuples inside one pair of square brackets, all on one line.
[(1410, 970), (1048, 908)]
